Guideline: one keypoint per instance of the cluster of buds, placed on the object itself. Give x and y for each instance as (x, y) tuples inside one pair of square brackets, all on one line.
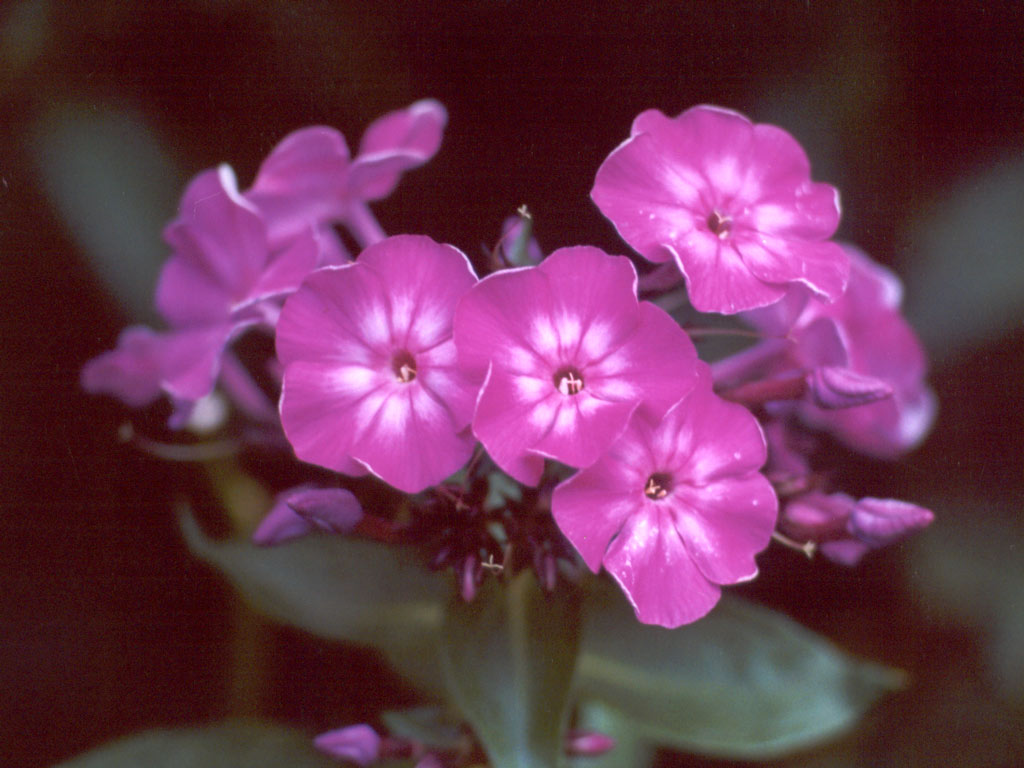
[(548, 412)]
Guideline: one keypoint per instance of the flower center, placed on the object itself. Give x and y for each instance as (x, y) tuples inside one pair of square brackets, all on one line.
[(568, 381), (719, 224), (403, 365), (658, 486)]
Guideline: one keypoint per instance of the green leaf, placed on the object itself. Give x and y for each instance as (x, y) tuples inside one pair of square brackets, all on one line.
[(240, 744), (431, 726), (115, 188), (343, 589), (508, 660), (743, 682)]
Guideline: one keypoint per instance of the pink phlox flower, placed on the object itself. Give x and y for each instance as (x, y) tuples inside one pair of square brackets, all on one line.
[(370, 374), (566, 353), (359, 744), (223, 278), (305, 509), (675, 508), (845, 529), (730, 201), (309, 178), (864, 365)]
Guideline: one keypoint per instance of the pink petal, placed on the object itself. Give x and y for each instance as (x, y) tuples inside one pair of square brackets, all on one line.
[(581, 427), (490, 317), (188, 294), (336, 510), (288, 268), (649, 200), (447, 382), (223, 242), (725, 524), (412, 441), (846, 552), (393, 144), (658, 361), (131, 372), (302, 182), (717, 276), (800, 209), (418, 128), (337, 315), (191, 359), (593, 505), (652, 565), (512, 413), (587, 285), (325, 408), (817, 516), (705, 438), (434, 277), (821, 266)]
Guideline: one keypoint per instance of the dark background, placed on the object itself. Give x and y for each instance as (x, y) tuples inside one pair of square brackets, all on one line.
[(915, 110)]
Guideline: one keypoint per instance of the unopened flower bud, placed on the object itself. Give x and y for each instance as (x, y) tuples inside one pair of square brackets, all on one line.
[(359, 744), (588, 743)]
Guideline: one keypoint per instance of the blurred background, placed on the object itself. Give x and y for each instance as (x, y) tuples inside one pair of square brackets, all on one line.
[(914, 110)]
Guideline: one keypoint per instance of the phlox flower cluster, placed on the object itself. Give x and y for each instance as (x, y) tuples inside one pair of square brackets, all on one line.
[(546, 409)]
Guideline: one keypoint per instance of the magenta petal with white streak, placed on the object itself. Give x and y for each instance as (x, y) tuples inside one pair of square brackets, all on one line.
[(568, 353), (676, 507), (370, 368)]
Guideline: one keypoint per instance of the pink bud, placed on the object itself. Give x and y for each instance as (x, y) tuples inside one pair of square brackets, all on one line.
[(357, 743), (588, 743)]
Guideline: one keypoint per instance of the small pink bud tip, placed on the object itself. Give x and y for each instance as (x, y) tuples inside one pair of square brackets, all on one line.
[(359, 744), (588, 743)]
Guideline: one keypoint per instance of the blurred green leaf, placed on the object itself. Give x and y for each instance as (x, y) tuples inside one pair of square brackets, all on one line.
[(227, 745), (969, 570), (743, 682), (432, 726), (110, 180), (343, 589), (968, 274), (508, 658)]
